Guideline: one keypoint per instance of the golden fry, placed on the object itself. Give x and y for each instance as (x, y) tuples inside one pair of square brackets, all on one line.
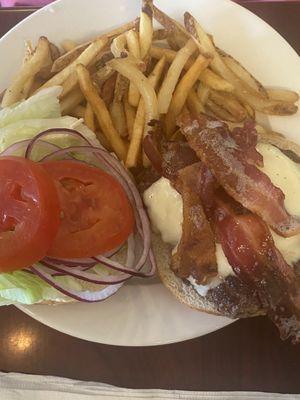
[(194, 104), (67, 58), (89, 117), (130, 116), (283, 95), (140, 120), (203, 93), (118, 117), (100, 111), (134, 49), (85, 58), (29, 70), (182, 90), (230, 104), (146, 27), (168, 86), (215, 110), (68, 45), (242, 90)]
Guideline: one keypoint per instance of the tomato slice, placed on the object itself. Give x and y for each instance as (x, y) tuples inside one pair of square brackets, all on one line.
[(96, 213), (29, 213)]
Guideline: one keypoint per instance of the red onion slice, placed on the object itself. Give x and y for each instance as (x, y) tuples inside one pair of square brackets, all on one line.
[(85, 295)]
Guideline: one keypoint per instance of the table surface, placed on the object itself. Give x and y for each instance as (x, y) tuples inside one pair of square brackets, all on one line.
[(247, 355)]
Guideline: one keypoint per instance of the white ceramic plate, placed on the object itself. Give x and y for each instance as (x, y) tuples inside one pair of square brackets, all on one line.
[(144, 313)]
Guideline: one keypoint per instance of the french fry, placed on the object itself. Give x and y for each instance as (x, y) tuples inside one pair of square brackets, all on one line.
[(159, 34), (168, 86), (214, 81), (208, 77), (134, 49), (89, 118), (283, 95), (218, 111), (182, 90), (29, 70), (107, 89), (78, 111), (170, 24), (130, 71), (146, 27), (68, 103), (242, 90), (68, 45), (203, 93), (101, 112), (244, 75), (118, 117), (69, 84), (194, 104), (140, 120), (230, 104), (130, 116), (67, 58), (85, 58)]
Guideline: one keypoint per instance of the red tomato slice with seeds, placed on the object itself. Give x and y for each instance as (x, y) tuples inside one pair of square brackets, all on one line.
[(29, 213), (96, 213)]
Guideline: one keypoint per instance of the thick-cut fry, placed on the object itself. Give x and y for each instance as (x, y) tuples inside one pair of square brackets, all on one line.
[(89, 118), (230, 104), (69, 84), (170, 24), (29, 70), (130, 116), (203, 93), (85, 58), (146, 27), (182, 90), (130, 71), (134, 49), (173, 74), (283, 95), (68, 45), (140, 120), (215, 110), (244, 75), (208, 77), (118, 117), (78, 111), (242, 90), (214, 81), (159, 34), (194, 104), (100, 111), (67, 58), (68, 103)]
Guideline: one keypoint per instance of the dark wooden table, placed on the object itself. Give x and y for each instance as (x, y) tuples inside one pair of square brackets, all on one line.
[(247, 355)]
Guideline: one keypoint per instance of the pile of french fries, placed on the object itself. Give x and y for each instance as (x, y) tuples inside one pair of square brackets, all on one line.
[(127, 82)]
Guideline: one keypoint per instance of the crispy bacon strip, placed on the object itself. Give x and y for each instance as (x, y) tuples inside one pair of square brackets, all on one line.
[(249, 247), (196, 252), (214, 145), (246, 138)]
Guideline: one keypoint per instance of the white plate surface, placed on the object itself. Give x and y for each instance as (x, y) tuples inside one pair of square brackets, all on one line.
[(144, 313)]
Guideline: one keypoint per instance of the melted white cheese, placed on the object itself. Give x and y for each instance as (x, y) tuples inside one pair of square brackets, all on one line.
[(284, 173), (164, 206)]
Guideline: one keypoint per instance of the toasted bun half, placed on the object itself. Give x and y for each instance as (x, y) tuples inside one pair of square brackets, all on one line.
[(231, 298)]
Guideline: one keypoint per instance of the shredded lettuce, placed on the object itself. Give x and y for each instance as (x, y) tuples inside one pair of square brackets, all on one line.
[(44, 104)]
